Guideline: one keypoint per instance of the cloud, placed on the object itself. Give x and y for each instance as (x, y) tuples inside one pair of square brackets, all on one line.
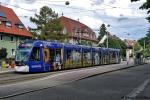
[(92, 22), (23, 1), (96, 2), (122, 15), (136, 27), (112, 2)]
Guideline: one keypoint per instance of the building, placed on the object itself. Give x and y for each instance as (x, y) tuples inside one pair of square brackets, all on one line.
[(78, 32), (12, 31), (130, 44)]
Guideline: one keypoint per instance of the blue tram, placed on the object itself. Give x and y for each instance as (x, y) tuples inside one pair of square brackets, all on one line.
[(42, 56)]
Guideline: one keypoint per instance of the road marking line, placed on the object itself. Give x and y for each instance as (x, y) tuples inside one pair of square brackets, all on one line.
[(133, 94)]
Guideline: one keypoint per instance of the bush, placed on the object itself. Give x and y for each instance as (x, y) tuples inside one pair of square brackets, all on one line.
[(3, 53)]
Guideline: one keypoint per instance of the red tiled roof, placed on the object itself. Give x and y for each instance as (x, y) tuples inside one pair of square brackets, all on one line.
[(71, 25), (12, 17), (129, 42)]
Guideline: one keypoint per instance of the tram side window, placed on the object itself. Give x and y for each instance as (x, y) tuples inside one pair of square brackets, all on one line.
[(35, 55), (52, 54), (113, 54), (69, 57)]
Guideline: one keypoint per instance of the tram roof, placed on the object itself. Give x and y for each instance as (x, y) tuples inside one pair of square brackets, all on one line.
[(47, 44), (72, 46), (67, 45)]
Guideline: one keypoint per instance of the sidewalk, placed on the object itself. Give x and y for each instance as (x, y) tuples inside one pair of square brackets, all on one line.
[(6, 70)]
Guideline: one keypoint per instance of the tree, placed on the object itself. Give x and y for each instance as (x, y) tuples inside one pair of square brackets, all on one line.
[(35, 34), (48, 25), (137, 47), (3, 53), (146, 39), (102, 32), (146, 6), (134, 0), (113, 41), (141, 41)]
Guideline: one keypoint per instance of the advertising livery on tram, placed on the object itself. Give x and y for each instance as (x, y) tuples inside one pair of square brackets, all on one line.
[(42, 56)]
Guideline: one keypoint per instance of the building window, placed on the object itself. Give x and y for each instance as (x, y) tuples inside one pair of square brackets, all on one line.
[(20, 26), (17, 39), (8, 24), (12, 38), (64, 30), (1, 37), (12, 51)]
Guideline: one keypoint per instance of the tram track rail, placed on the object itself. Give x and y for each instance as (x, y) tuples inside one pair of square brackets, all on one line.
[(12, 77)]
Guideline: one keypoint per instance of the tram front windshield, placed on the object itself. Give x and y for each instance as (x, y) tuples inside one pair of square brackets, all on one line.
[(23, 52), (22, 55)]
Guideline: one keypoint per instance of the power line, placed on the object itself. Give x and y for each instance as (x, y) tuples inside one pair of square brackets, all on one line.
[(117, 7), (18, 7), (75, 8)]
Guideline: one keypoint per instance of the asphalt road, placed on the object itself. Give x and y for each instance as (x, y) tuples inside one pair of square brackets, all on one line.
[(110, 86)]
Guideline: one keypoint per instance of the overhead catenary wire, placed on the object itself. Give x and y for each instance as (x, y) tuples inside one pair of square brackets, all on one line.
[(78, 10), (70, 7), (18, 7), (117, 7)]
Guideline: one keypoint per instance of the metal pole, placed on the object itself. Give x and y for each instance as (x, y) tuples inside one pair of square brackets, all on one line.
[(127, 56), (144, 52), (107, 35), (144, 45), (107, 39)]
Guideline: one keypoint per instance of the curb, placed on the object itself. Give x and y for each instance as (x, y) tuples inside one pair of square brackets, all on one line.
[(6, 71), (110, 71)]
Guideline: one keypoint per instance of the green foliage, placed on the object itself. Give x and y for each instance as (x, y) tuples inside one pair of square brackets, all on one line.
[(146, 6), (85, 42), (3, 53), (147, 52), (146, 39), (115, 42), (134, 0), (48, 25), (34, 33), (137, 47)]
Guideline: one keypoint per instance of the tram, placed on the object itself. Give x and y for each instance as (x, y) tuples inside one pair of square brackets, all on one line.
[(42, 56)]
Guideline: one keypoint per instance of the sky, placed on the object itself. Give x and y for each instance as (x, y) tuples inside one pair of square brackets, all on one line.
[(124, 18)]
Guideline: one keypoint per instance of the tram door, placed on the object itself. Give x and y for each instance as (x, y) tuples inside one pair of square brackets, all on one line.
[(55, 58), (46, 60), (100, 57), (35, 60)]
